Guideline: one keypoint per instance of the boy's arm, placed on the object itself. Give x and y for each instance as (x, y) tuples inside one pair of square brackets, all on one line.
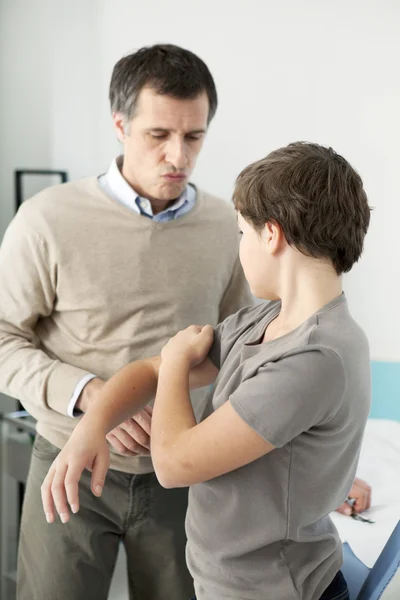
[(267, 411), (126, 393), (134, 386), (184, 452)]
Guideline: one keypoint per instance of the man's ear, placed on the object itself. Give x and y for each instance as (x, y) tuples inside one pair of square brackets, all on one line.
[(119, 126)]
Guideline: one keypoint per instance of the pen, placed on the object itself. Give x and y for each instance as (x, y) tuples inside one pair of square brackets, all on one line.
[(354, 514)]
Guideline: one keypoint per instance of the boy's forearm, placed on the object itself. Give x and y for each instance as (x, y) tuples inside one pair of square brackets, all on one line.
[(124, 394), (173, 412), (173, 418)]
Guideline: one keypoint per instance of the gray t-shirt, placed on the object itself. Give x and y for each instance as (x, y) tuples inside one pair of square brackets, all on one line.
[(263, 532)]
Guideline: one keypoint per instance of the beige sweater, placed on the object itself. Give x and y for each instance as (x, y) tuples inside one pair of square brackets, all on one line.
[(87, 286)]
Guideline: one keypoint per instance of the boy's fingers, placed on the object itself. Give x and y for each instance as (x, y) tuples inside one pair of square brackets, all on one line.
[(47, 498), (59, 494), (100, 468), (72, 486)]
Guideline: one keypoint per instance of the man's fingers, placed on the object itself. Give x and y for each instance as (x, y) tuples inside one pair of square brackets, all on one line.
[(122, 442), (47, 498), (143, 419), (127, 440), (118, 446), (136, 433)]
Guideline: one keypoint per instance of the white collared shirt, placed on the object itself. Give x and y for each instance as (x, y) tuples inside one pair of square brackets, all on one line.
[(116, 186)]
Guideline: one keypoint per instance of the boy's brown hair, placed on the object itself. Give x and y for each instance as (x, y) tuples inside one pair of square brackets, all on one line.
[(316, 197)]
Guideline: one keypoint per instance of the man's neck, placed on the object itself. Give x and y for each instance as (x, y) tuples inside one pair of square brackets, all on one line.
[(157, 205)]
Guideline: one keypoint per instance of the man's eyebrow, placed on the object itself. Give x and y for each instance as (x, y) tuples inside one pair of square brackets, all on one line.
[(163, 130)]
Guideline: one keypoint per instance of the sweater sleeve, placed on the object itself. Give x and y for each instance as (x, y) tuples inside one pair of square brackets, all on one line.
[(28, 278)]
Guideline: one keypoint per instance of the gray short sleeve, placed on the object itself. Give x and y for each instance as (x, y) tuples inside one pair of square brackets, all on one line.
[(232, 329), (214, 353), (293, 394)]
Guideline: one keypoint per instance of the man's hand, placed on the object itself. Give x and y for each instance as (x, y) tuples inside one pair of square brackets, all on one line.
[(132, 437), (361, 493), (86, 449), (190, 345)]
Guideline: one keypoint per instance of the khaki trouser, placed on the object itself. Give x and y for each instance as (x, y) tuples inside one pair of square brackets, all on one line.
[(76, 561)]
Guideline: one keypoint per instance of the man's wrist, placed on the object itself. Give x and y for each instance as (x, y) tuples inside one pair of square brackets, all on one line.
[(89, 394)]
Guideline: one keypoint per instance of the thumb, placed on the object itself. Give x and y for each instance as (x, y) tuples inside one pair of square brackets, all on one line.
[(99, 471), (207, 331), (344, 509)]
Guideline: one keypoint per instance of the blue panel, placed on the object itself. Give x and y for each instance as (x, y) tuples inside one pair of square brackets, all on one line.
[(385, 390)]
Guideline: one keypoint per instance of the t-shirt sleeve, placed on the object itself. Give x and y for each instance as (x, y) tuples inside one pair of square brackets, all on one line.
[(291, 395), (227, 333), (214, 354)]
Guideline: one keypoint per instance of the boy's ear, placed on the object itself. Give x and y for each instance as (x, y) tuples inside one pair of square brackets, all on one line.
[(273, 236), (268, 231)]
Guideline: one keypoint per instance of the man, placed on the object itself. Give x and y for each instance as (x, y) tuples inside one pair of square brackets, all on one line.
[(96, 274)]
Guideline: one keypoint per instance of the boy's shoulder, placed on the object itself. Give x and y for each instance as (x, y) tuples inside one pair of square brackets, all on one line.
[(246, 318)]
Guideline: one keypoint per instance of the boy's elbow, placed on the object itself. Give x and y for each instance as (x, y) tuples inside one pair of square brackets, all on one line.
[(169, 473), (166, 482)]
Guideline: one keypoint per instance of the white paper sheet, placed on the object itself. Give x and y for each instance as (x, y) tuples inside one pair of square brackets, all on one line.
[(380, 467)]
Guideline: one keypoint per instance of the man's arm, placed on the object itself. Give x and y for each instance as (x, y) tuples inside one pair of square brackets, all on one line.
[(28, 276)]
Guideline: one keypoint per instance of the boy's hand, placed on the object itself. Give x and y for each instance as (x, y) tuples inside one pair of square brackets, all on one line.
[(190, 345), (86, 449)]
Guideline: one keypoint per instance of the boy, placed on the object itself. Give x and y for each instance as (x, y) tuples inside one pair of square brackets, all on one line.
[(279, 448)]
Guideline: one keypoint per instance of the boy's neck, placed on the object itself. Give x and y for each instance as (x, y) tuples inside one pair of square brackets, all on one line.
[(301, 298)]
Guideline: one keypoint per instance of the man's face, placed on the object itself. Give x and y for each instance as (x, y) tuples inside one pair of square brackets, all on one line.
[(161, 143)]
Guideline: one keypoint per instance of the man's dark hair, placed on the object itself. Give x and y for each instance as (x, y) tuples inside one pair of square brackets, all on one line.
[(165, 68)]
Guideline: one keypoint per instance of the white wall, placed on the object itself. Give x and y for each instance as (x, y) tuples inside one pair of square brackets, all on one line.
[(311, 70), (25, 97)]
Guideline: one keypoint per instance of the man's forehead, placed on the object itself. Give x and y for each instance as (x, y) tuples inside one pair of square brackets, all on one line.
[(192, 112)]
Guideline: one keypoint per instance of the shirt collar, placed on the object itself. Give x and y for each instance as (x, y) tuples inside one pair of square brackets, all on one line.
[(125, 193)]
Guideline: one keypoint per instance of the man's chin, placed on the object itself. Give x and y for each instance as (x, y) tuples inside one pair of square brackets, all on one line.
[(170, 190)]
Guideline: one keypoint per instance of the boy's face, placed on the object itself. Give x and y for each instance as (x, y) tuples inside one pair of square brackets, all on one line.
[(161, 143), (256, 254)]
